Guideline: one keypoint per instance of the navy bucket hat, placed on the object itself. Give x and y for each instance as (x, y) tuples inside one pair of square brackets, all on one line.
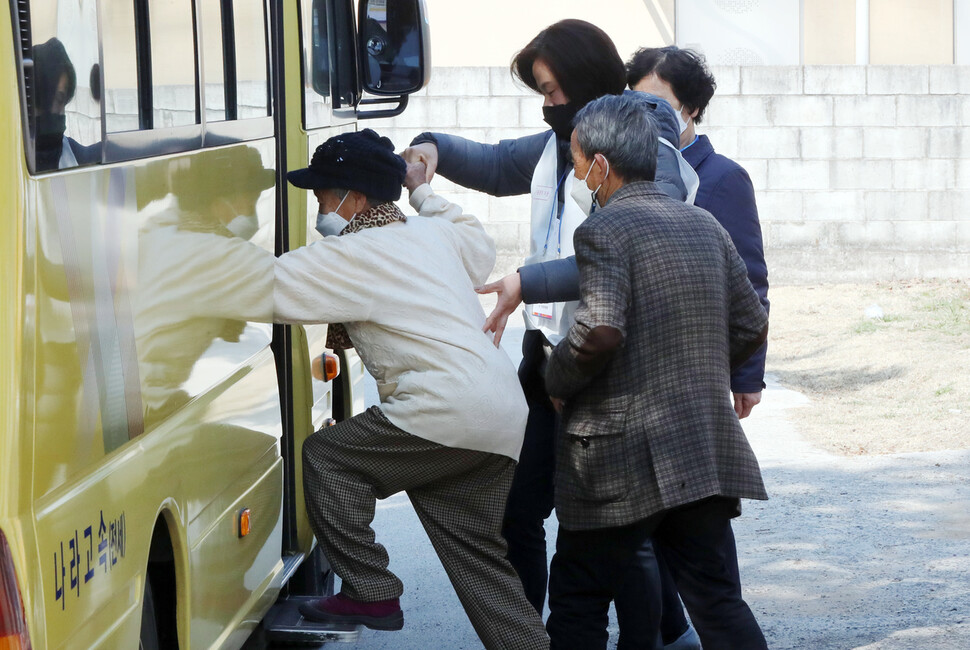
[(363, 161)]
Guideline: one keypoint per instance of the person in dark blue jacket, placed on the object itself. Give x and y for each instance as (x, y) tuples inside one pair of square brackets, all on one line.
[(570, 63), (682, 78)]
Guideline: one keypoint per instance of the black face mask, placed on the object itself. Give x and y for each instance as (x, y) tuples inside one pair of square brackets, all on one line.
[(50, 137), (560, 118)]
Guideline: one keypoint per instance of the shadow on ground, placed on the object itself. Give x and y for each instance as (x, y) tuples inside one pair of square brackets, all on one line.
[(841, 380), (865, 552), (850, 556)]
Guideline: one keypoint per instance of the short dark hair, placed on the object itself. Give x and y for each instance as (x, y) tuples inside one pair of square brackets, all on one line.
[(580, 55), (685, 71)]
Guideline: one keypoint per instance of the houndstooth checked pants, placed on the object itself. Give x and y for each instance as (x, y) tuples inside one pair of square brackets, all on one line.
[(459, 496)]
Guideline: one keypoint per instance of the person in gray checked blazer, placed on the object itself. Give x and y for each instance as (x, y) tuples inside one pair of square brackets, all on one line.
[(650, 442)]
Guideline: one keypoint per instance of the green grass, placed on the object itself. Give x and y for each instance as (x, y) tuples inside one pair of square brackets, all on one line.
[(947, 314), (865, 327), (870, 325)]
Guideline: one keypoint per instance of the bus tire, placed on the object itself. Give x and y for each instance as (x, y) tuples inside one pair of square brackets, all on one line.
[(149, 622)]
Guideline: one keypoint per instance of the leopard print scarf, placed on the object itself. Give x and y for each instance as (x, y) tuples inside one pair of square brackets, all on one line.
[(337, 336)]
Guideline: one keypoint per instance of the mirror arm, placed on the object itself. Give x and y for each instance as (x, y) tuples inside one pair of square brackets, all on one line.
[(402, 102)]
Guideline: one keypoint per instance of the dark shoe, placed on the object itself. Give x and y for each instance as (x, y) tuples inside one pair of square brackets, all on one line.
[(379, 615)]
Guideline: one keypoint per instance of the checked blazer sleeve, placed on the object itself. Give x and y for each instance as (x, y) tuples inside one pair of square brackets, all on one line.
[(605, 287)]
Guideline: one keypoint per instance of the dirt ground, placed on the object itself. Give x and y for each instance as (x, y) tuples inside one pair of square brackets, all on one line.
[(886, 366)]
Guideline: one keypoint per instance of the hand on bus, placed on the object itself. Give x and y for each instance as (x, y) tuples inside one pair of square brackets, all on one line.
[(427, 153), (509, 294), (416, 176)]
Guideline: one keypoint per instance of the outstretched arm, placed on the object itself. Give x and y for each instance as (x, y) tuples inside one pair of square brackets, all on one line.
[(552, 281), (502, 169)]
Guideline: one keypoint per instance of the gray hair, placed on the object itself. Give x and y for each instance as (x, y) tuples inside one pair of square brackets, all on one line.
[(623, 129)]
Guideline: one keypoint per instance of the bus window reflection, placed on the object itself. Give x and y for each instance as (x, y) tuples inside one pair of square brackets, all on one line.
[(55, 83)]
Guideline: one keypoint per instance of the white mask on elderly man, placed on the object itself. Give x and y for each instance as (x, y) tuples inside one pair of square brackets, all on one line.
[(332, 223), (583, 196)]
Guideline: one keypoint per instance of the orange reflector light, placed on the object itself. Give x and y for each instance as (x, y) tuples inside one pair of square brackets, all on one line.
[(325, 367), (12, 643), (331, 366), (244, 526)]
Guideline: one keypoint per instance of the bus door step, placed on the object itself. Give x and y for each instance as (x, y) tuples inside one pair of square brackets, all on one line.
[(284, 625)]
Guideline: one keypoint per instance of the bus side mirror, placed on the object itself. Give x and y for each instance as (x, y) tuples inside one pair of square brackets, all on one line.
[(395, 52)]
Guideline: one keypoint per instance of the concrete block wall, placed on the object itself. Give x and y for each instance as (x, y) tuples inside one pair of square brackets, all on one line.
[(861, 172)]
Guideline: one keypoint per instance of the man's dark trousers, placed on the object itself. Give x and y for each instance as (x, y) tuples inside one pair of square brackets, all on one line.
[(697, 545), (674, 623), (591, 568), (595, 566)]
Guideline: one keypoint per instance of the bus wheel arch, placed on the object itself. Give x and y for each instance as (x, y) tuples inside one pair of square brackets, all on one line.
[(161, 586)]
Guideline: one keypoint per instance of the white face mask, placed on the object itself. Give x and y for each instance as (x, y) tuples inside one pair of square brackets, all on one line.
[(244, 226), (583, 196), (332, 223), (680, 120)]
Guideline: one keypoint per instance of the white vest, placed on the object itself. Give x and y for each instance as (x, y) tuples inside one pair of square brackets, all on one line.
[(552, 238)]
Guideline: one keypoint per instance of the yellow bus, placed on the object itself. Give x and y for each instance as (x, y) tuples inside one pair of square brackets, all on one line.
[(150, 489)]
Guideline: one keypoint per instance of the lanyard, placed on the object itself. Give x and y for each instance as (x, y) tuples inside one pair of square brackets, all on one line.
[(552, 215)]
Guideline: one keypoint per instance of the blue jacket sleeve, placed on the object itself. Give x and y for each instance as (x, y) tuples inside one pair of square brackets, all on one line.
[(553, 281), (502, 169), (735, 208), (558, 280)]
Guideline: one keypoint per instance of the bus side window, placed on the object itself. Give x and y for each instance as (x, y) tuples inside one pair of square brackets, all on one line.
[(172, 33), (214, 62), (252, 71), (121, 107), (120, 51), (316, 64), (236, 66), (64, 114), (149, 65)]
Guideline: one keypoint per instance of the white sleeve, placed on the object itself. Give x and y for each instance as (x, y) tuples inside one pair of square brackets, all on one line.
[(239, 287), (323, 283), (476, 247)]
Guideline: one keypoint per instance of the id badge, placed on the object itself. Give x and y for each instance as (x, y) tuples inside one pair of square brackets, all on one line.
[(542, 310)]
